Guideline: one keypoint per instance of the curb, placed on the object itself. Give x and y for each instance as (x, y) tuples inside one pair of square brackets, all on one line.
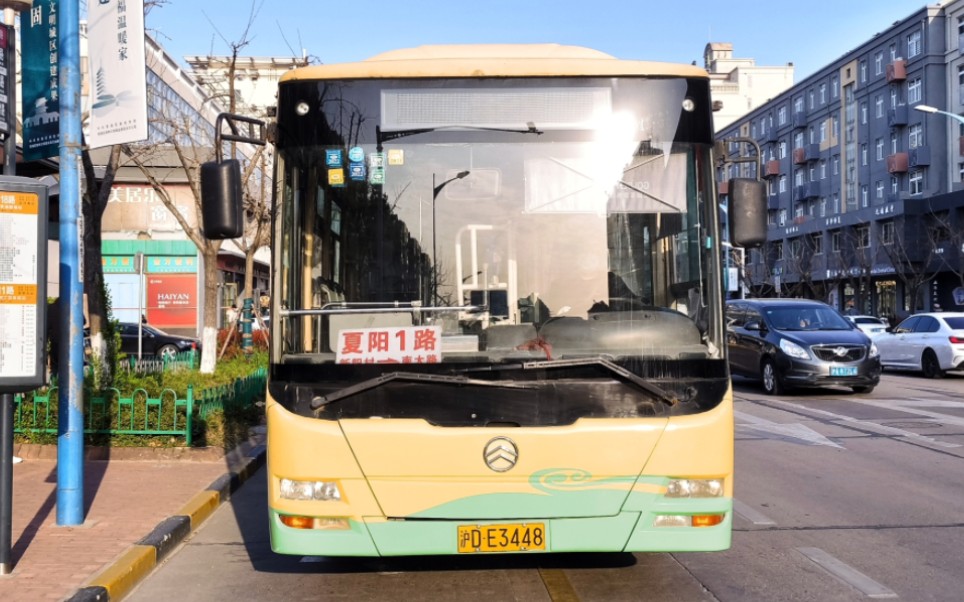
[(117, 580)]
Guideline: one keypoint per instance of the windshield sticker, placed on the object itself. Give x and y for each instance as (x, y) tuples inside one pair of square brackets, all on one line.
[(356, 154), (333, 157), (336, 177), (396, 156), (393, 345)]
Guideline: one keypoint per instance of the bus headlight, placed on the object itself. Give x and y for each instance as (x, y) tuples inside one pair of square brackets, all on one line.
[(694, 488), (324, 491)]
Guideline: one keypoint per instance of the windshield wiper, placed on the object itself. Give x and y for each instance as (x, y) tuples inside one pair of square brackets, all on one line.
[(657, 392), (374, 383)]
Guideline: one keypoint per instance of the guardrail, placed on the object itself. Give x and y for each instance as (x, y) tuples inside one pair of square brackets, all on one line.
[(138, 414)]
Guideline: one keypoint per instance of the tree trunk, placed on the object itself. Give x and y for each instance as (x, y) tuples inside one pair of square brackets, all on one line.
[(209, 337)]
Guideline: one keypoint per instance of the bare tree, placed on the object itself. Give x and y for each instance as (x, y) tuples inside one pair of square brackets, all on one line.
[(914, 257)]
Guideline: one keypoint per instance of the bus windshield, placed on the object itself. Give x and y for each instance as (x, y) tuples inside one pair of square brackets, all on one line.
[(494, 221)]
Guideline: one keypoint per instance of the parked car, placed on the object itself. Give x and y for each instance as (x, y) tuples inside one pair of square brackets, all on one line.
[(930, 342), (789, 343), (154, 341), (869, 324)]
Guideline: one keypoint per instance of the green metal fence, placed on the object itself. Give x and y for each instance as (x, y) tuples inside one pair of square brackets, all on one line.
[(113, 413)]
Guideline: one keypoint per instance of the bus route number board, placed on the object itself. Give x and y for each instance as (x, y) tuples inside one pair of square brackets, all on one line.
[(511, 537), (390, 345)]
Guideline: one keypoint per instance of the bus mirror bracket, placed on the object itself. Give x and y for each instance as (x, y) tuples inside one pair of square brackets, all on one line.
[(747, 210), (221, 190)]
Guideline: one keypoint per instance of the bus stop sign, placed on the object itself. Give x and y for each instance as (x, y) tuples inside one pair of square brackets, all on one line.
[(23, 283)]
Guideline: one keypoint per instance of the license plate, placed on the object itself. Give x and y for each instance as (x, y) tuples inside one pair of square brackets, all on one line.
[(512, 537), (843, 370)]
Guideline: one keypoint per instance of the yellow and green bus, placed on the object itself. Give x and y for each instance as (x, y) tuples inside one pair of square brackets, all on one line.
[(497, 306)]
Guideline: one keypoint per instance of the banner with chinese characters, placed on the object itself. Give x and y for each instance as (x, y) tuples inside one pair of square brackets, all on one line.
[(118, 90), (39, 90), (390, 345)]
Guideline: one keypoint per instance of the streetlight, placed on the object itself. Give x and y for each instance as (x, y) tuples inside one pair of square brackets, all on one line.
[(930, 109), (437, 188)]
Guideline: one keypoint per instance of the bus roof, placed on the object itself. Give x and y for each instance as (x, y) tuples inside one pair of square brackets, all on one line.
[(492, 60)]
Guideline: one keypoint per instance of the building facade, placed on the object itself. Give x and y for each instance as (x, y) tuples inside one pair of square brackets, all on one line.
[(865, 194), (739, 85)]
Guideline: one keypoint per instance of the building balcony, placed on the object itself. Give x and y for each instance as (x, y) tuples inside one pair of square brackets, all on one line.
[(723, 187), (770, 136), (773, 202), (806, 154), (810, 190), (897, 163), (771, 168), (919, 157), (897, 117), (897, 71), (799, 120)]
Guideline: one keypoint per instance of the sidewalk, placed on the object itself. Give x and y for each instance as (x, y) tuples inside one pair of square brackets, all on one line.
[(139, 504)]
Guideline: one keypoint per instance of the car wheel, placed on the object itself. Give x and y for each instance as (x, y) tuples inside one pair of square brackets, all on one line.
[(771, 378), (864, 389), (930, 365), (167, 353)]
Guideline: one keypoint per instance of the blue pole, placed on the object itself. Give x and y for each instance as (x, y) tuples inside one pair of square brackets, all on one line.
[(70, 434)]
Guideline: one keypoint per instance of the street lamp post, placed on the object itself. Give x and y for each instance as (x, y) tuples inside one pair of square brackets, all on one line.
[(436, 189)]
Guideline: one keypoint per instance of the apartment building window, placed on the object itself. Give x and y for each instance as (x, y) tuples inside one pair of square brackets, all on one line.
[(810, 97), (862, 234), (778, 250), (893, 143), (798, 140), (864, 196), (823, 93), (823, 169), (835, 203), (798, 177), (783, 149), (835, 241), (879, 145), (895, 184), (782, 218), (960, 171), (960, 33), (813, 173), (835, 165), (879, 63), (823, 131), (863, 154), (914, 46), (914, 91), (915, 182), (880, 190), (894, 97), (834, 126), (893, 52), (915, 135), (817, 244), (834, 86), (782, 116), (771, 189), (863, 71), (822, 207), (878, 106), (798, 105), (960, 79), (886, 232), (863, 113), (783, 183), (812, 134)]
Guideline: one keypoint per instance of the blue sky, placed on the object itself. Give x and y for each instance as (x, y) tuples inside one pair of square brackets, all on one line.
[(808, 34)]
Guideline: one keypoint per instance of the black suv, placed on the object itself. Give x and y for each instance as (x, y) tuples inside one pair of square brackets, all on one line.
[(798, 343)]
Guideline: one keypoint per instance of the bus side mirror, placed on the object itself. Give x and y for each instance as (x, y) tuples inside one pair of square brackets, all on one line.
[(221, 199), (747, 213)]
